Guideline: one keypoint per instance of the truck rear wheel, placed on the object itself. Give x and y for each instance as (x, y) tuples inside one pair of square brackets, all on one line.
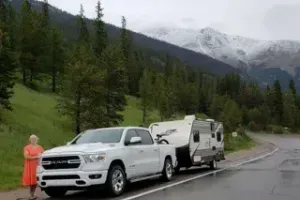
[(116, 180), (167, 172), (55, 192)]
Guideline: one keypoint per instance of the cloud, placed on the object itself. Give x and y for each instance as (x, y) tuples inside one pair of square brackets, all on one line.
[(251, 18)]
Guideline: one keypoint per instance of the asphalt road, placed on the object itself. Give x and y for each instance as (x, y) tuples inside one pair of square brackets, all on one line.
[(276, 177)]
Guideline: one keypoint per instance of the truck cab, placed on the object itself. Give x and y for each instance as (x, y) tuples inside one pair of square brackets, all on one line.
[(109, 157)]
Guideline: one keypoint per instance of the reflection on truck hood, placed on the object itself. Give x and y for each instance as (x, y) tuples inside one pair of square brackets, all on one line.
[(84, 148)]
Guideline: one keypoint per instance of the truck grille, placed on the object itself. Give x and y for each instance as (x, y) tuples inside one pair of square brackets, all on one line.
[(62, 162)]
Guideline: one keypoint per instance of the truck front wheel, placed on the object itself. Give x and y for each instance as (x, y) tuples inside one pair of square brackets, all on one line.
[(55, 192), (116, 180)]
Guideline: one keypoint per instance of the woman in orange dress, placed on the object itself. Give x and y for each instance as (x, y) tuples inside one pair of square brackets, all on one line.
[(31, 155)]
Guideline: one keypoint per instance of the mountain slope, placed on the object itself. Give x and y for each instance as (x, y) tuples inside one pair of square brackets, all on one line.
[(233, 49), (243, 53), (67, 23)]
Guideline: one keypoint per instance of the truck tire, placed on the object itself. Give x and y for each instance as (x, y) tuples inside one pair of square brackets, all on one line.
[(116, 180), (213, 164), (55, 192), (167, 172)]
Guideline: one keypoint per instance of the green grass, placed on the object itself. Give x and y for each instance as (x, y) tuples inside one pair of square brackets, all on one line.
[(242, 141)]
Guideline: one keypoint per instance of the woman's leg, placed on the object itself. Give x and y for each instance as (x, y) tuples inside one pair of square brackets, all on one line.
[(32, 191)]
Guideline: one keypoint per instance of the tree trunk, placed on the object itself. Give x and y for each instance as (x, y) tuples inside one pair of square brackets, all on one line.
[(78, 98), (31, 75), (53, 79), (24, 75), (144, 115)]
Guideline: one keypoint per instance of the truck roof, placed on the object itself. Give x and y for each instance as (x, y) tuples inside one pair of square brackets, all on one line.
[(120, 127)]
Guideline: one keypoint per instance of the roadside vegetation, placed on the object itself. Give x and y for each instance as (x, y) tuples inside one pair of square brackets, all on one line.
[(56, 86)]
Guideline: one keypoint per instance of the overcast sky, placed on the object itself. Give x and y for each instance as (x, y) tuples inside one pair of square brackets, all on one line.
[(261, 19)]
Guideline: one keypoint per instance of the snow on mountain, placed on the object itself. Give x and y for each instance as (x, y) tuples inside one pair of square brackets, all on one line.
[(240, 52)]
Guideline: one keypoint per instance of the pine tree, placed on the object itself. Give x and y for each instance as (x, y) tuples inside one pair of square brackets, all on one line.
[(290, 111), (277, 102), (231, 116), (125, 41), (7, 70), (126, 51), (45, 40), (116, 82), (12, 29), (84, 91), (146, 91), (58, 57), (100, 32), (26, 44), (292, 87), (45, 14), (84, 36), (3, 15)]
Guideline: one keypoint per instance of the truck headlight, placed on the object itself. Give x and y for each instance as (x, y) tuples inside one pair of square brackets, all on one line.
[(94, 157)]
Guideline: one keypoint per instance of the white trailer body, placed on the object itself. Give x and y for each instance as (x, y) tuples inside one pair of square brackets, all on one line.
[(198, 142)]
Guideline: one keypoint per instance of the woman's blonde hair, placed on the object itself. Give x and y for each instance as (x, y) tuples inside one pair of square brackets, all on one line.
[(33, 136)]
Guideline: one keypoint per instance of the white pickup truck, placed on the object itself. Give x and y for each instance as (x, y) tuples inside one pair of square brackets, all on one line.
[(109, 157)]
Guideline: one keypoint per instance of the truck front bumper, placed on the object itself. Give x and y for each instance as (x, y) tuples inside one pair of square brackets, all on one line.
[(72, 179)]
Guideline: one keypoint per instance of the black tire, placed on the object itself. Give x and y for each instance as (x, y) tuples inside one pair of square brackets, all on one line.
[(117, 172), (167, 173), (163, 141), (213, 164), (55, 192)]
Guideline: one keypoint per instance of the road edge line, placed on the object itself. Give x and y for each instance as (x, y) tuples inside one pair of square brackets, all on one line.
[(199, 176)]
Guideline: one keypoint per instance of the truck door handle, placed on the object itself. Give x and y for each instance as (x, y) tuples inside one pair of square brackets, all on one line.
[(155, 149), (141, 151)]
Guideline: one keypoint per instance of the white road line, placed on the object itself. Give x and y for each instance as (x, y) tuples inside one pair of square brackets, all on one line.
[(197, 177)]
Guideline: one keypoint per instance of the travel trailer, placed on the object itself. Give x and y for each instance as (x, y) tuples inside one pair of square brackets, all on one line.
[(198, 142)]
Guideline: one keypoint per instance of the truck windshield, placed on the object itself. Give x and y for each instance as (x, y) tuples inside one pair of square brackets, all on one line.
[(100, 135)]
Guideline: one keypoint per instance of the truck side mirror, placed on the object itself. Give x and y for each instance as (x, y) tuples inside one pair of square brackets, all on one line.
[(135, 140)]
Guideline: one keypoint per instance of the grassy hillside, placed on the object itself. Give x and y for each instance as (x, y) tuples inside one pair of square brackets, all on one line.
[(35, 113)]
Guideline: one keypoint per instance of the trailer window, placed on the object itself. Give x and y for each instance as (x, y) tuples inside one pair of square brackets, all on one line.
[(196, 135), (219, 136), (213, 135)]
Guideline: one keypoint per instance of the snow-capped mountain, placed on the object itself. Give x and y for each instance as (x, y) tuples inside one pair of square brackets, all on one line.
[(240, 52)]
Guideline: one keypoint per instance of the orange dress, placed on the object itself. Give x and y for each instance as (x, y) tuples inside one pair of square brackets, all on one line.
[(29, 173)]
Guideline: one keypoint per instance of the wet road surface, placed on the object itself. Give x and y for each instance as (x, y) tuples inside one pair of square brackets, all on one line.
[(276, 177)]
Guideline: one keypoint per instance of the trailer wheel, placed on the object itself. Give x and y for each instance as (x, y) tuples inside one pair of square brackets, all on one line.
[(213, 164)]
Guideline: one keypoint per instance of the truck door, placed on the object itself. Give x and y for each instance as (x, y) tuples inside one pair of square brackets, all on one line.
[(150, 161), (134, 156)]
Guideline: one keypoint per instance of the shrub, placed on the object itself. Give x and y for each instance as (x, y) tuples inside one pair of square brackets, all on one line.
[(253, 126)]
